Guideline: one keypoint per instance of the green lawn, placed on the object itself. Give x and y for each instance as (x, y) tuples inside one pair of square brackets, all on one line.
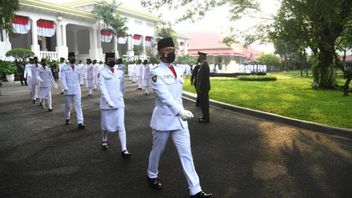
[(290, 96)]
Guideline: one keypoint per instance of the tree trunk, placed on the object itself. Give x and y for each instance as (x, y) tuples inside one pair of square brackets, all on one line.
[(326, 68)]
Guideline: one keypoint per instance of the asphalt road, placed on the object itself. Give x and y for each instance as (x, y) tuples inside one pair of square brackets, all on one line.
[(236, 155)]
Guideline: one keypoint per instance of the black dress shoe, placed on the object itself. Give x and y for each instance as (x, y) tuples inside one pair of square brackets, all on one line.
[(125, 154), (104, 145), (154, 183), (67, 122), (203, 120), (81, 126), (202, 194), (33, 101), (50, 110)]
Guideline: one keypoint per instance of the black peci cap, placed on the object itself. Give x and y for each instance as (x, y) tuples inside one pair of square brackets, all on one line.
[(165, 42)]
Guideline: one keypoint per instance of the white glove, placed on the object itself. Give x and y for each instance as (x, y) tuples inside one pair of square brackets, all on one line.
[(66, 89), (111, 104), (185, 114)]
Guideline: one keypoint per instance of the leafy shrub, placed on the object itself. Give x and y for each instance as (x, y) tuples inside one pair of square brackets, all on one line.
[(7, 67), (257, 78)]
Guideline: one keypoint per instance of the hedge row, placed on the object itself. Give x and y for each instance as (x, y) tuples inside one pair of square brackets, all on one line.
[(257, 78)]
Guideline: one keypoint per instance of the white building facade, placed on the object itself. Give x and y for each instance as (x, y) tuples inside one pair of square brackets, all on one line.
[(54, 31)]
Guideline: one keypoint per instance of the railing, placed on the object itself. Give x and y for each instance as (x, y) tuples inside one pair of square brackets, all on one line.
[(51, 55)]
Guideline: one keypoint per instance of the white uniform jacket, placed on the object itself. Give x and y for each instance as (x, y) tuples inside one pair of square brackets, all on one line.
[(33, 80), (111, 90), (71, 79), (168, 98), (45, 77)]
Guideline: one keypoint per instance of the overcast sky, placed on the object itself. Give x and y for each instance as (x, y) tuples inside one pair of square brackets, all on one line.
[(214, 21)]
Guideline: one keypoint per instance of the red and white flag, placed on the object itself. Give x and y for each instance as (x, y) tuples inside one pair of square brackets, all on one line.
[(106, 35), (45, 28), (137, 39), (122, 39), (21, 24), (149, 41)]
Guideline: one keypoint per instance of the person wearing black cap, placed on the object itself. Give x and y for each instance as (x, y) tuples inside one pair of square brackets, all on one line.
[(71, 80), (203, 87), (170, 119)]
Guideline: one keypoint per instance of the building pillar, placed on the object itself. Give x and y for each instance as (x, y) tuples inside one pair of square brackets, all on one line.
[(144, 53), (130, 52), (75, 41), (61, 49), (43, 43), (185, 48), (5, 44), (35, 47)]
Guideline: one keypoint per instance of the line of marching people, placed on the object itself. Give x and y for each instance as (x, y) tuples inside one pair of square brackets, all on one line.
[(169, 118)]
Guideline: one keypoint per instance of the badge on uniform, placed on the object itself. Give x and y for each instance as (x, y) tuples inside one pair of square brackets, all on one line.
[(154, 78)]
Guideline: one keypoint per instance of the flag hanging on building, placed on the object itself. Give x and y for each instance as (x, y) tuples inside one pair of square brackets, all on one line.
[(21, 24), (106, 35), (137, 39), (149, 41), (122, 39), (45, 28)]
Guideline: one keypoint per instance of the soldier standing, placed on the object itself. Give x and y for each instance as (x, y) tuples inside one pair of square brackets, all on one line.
[(203, 87), (170, 119), (194, 81), (71, 79)]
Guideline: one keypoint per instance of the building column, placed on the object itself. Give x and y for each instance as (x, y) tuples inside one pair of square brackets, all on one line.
[(43, 43), (144, 53), (5, 44), (61, 48), (93, 50), (99, 48), (35, 47), (115, 47), (75, 41), (185, 48), (130, 52)]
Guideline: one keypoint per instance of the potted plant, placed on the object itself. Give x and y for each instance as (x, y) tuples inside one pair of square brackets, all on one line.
[(9, 69), (20, 55)]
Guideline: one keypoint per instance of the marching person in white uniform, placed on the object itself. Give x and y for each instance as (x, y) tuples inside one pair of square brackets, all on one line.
[(61, 65), (146, 77), (90, 77), (33, 80), (95, 74), (170, 119), (112, 105), (121, 67), (28, 73), (71, 80), (139, 74), (45, 78)]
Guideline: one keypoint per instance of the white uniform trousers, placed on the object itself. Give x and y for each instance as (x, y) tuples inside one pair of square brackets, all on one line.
[(76, 99), (139, 81), (34, 88), (181, 139), (45, 93)]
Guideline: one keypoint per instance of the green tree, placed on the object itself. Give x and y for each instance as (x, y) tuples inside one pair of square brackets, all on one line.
[(319, 24), (111, 18), (165, 30), (270, 60), (7, 12), (20, 55)]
